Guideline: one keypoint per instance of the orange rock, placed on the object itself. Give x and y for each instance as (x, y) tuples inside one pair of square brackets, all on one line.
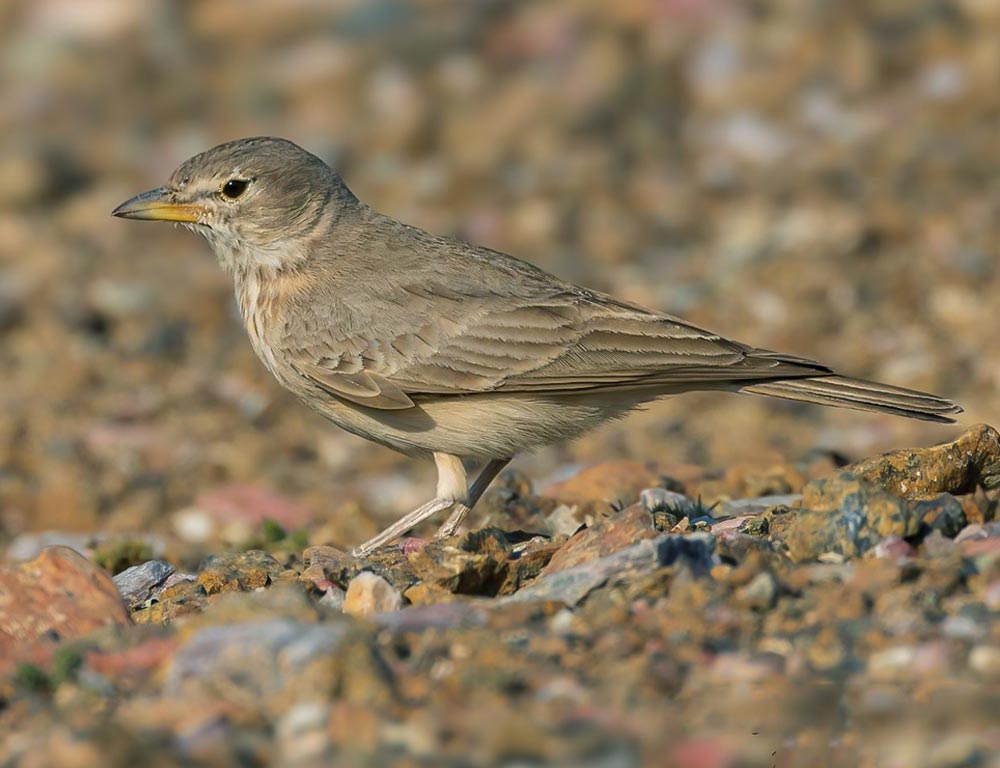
[(920, 473), (616, 532), (57, 596)]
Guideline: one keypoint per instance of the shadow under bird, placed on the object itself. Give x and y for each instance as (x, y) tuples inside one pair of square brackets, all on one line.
[(438, 348)]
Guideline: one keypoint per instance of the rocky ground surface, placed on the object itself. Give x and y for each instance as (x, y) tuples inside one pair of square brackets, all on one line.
[(633, 614), (816, 177)]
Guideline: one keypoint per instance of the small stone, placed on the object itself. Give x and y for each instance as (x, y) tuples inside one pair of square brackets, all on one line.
[(894, 548), (423, 593), (392, 565), (329, 565), (411, 544), (241, 571), (527, 562), (847, 515), (943, 513), (301, 732), (760, 593), (368, 594), (937, 545), (473, 564), (193, 525), (971, 532), (991, 596), (888, 663), (333, 598), (563, 521), (985, 660), (962, 628), (136, 584)]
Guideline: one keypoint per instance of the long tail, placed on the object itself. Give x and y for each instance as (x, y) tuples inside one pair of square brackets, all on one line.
[(842, 392)]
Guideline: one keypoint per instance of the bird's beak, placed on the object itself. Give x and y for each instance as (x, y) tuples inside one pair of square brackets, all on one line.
[(156, 205)]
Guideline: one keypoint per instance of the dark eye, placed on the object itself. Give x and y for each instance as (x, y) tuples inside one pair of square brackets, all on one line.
[(234, 188)]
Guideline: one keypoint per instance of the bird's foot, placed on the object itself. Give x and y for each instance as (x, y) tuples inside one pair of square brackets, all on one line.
[(404, 524), (458, 514)]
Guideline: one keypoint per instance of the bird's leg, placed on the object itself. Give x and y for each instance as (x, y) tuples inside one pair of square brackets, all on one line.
[(462, 509), (451, 489)]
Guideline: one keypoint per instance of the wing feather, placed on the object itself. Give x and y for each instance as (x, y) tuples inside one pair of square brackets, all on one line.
[(566, 342)]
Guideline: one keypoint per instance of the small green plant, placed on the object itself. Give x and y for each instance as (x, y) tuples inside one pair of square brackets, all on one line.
[(271, 535), (272, 531), (117, 556), (33, 678), (65, 664)]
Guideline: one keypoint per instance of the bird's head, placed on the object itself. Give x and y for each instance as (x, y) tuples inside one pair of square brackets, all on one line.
[(257, 201)]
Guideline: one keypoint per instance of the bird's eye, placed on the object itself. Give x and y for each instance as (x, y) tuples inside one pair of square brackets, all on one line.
[(233, 188)]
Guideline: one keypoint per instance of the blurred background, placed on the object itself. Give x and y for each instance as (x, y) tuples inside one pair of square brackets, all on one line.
[(815, 176)]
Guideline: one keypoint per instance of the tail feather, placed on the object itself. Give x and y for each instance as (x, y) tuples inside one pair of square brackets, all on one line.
[(842, 392)]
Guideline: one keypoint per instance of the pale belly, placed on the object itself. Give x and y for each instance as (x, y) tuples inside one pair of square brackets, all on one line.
[(481, 426)]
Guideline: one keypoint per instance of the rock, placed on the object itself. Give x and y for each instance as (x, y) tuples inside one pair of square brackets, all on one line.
[(193, 525), (760, 593), (572, 585), (894, 548), (238, 572), (58, 596), (617, 532), (286, 601), (983, 552), (392, 565), (423, 594), (136, 584), (936, 545), (473, 564), (173, 601), (846, 515), (135, 661), (991, 596), (327, 566), (264, 663), (301, 733), (943, 513), (978, 531), (456, 614), (956, 468), (563, 521), (527, 561), (368, 594), (985, 660), (333, 598)]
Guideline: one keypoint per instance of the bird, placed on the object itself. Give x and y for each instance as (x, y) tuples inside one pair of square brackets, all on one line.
[(440, 349)]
